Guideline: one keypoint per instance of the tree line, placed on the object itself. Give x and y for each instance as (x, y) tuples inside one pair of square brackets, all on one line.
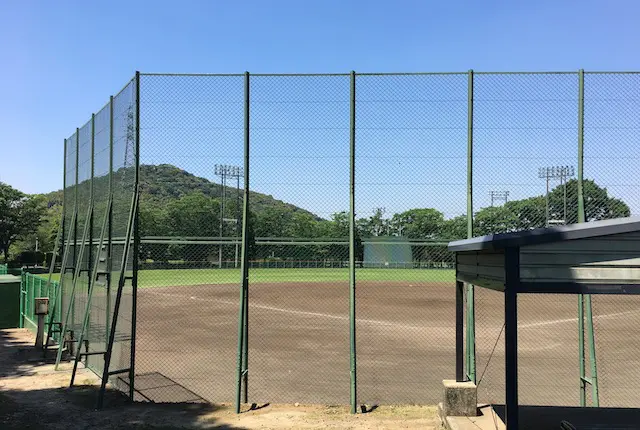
[(175, 203)]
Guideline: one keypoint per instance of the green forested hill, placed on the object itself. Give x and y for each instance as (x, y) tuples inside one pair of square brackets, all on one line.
[(164, 183), (176, 202)]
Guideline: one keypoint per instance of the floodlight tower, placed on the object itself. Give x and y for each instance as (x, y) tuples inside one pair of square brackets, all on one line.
[(561, 173), (499, 196), (224, 171)]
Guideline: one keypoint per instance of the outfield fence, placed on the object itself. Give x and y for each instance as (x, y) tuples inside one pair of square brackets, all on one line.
[(32, 287), (3, 269), (347, 174)]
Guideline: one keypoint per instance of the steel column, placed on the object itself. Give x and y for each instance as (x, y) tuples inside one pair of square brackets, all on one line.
[(136, 246), (352, 246), (581, 213), (460, 374), (585, 307), (471, 324), (242, 367), (110, 227)]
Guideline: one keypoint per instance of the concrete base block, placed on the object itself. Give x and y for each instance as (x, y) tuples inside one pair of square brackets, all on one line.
[(460, 398)]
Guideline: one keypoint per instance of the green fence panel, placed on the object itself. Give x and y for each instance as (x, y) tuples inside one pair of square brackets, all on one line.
[(36, 286)]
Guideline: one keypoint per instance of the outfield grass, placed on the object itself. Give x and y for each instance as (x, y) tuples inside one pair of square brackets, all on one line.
[(166, 278)]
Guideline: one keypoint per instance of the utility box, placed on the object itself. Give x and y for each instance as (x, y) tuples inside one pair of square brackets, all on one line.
[(41, 305), (9, 301)]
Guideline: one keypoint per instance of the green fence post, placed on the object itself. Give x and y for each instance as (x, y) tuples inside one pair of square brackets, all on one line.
[(581, 359), (59, 307), (110, 230), (243, 321), (352, 245), (585, 306), (471, 322), (21, 320), (136, 249), (76, 262), (32, 292)]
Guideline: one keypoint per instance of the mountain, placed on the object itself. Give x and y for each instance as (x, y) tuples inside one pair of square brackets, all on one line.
[(160, 184), (171, 197)]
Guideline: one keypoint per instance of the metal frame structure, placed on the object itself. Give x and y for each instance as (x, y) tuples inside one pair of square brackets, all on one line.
[(132, 240), (488, 249)]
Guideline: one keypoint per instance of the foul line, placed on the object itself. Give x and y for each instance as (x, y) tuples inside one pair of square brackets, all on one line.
[(377, 322), (567, 320), (295, 312)]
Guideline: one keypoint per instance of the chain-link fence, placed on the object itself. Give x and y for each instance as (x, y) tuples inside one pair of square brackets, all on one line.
[(99, 183), (421, 159), (32, 287)]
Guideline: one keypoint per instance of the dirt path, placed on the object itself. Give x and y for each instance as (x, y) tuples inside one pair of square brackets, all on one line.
[(34, 396)]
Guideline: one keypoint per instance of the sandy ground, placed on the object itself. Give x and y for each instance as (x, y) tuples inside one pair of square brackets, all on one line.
[(34, 395), (299, 344)]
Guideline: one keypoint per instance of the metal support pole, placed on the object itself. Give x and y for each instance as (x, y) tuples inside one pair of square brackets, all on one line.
[(22, 301), (581, 213), (221, 217), (512, 281), (595, 400), (582, 370), (110, 227), (91, 224), (136, 247), (460, 376), (471, 324), (245, 350), (470, 154), (585, 307), (91, 200), (235, 265), (75, 263), (62, 242), (242, 369), (581, 218), (352, 245)]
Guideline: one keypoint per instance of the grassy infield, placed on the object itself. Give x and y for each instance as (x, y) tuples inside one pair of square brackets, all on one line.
[(164, 278)]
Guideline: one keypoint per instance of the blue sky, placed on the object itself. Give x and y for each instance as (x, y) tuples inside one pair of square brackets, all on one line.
[(63, 59)]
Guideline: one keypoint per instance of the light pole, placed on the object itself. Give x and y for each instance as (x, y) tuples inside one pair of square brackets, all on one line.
[(498, 196), (561, 173), (226, 171)]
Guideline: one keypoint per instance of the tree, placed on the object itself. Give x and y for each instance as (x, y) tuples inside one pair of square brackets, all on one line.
[(195, 215), (340, 229), (44, 236), (375, 225), (273, 221), (418, 223), (454, 228), (530, 212), (495, 219), (153, 222), (19, 215), (598, 204)]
